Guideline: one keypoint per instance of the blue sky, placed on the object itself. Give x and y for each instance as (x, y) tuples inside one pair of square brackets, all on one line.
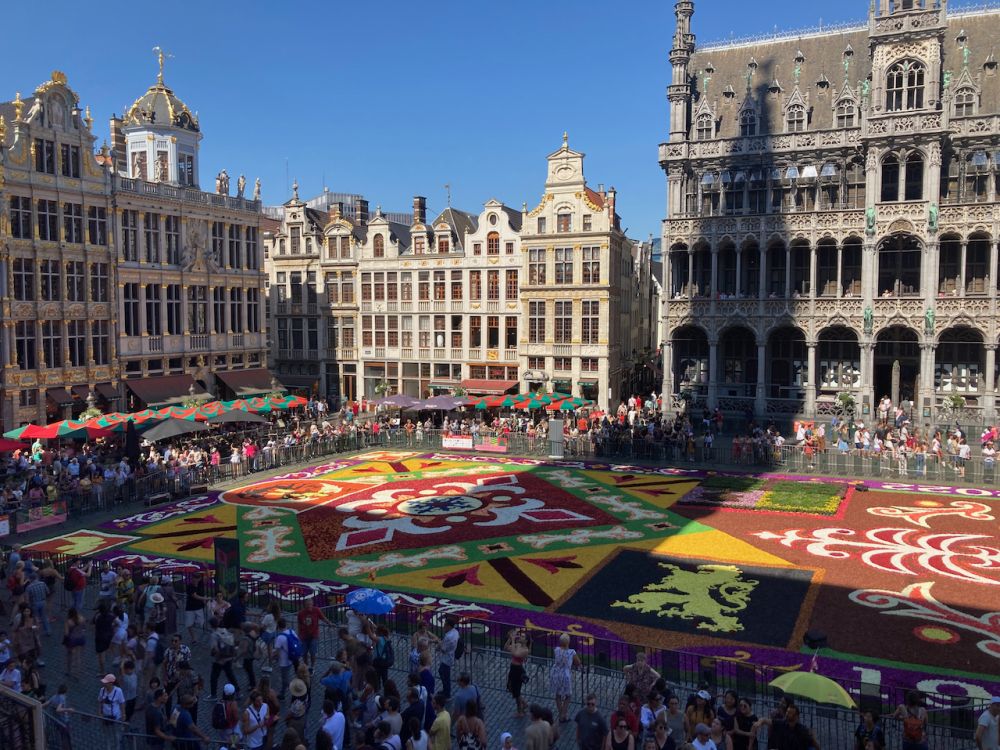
[(394, 99)]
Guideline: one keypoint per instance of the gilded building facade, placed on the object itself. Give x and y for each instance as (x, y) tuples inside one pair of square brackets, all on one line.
[(190, 263), (362, 304), (121, 278), (57, 257), (832, 214)]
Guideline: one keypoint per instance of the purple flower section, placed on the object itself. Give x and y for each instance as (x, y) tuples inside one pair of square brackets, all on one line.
[(726, 498)]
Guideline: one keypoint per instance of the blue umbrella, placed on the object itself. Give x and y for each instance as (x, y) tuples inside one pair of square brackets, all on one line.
[(370, 602)]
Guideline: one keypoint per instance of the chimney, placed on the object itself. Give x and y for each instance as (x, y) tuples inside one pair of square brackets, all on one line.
[(360, 211), (419, 209), (611, 207), (335, 211), (119, 153)]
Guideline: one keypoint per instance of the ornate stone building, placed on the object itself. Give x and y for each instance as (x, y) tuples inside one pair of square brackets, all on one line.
[(56, 260), (832, 214), (493, 302), (190, 274)]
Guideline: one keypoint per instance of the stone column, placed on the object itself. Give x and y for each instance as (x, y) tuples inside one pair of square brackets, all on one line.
[(690, 282), (788, 270), (142, 309), (840, 270), (993, 269), (739, 271), (989, 399), (762, 273), (961, 267), (714, 285), (760, 403), (668, 372), (867, 371), (811, 377), (713, 370), (927, 372), (813, 269)]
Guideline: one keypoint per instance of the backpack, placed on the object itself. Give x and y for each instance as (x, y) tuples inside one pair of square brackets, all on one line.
[(913, 729), (12, 583), (385, 656), (459, 648), (219, 718), (224, 651), (159, 651), (294, 645)]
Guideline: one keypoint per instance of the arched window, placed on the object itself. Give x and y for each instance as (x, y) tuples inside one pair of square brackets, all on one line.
[(705, 129), (378, 246), (890, 178), (914, 177), (748, 123), (904, 86), (965, 103), (796, 119), (493, 243), (846, 112)]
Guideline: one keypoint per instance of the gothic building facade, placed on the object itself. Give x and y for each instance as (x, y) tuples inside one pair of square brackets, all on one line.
[(832, 215)]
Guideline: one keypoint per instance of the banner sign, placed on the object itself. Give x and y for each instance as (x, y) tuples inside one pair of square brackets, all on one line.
[(227, 566), (39, 518), (457, 442)]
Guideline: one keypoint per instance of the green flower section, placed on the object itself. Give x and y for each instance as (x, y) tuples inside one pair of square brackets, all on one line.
[(803, 497)]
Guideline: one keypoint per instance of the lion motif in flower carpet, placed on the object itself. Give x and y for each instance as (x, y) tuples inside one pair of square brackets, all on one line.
[(713, 594)]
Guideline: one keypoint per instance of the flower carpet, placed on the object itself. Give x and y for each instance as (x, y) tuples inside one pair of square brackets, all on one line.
[(904, 579)]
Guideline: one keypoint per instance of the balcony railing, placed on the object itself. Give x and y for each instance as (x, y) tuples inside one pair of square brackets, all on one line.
[(510, 355), (186, 194), (475, 354), (439, 354), (457, 354), (199, 341), (237, 340), (154, 343)]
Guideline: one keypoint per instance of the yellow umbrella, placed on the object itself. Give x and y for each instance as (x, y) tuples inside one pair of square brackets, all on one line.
[(814, 687)]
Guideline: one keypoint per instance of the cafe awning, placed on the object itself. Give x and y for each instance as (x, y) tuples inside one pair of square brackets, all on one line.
[(488, 387), (168, 390), (245, 383), (106, 390), (59, 396), (298, 381)]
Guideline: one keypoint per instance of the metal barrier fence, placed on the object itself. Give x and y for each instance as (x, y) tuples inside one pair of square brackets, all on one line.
[(951, 724), (21, 725)]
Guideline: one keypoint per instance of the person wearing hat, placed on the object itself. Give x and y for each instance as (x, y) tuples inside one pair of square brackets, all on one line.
[(111, 706), (699, 711), (988, 726), (296, 714), (702, 740), (228, 735)]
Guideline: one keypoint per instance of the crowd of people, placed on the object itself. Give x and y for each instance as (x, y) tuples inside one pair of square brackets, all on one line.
[(179, 664)]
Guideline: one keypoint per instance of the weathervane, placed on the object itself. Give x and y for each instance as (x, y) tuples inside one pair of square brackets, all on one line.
[(160, 56)]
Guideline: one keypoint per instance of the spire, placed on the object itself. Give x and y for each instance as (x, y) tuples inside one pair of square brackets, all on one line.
[(295, 190)]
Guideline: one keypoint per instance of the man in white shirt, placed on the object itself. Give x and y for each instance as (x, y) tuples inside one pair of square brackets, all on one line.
[(988, 727), (446, 655), (284, 661), (10, 676), (333, 724), (254, 722)]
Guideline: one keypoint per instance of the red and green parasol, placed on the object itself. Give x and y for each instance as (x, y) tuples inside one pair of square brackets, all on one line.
[(67, 428)]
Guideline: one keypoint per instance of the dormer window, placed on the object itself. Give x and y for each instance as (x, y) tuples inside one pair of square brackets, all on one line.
[(965, 102), (846, 114), (564, 223), (748, 123), (904, 86), (444, 245), (418, 245), (378, 246), (795, 119), (705, 128)]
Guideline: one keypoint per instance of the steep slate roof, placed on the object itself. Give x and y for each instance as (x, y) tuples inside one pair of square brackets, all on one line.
[(460, 221), (514, 216), (823, 53)]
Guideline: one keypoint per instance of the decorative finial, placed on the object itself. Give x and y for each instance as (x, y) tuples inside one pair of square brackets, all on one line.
[(87, 118), (378, 209), (160, 57), (565, 139), (18, 106), (295, 190)]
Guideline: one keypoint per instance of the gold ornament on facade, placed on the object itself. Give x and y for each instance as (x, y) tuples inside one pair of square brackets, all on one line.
[(87, 119), (18, 107)]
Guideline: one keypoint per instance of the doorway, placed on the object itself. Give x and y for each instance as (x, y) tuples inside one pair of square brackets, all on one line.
[(896, 344)]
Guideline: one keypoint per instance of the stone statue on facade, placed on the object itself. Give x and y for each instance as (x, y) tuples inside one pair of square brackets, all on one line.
[(218, 184), (256, 189), (946, 80), (870, 221), (241, 186), (866, 88), (224, 182), (929, 321), (869, 319), (932, 217)]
